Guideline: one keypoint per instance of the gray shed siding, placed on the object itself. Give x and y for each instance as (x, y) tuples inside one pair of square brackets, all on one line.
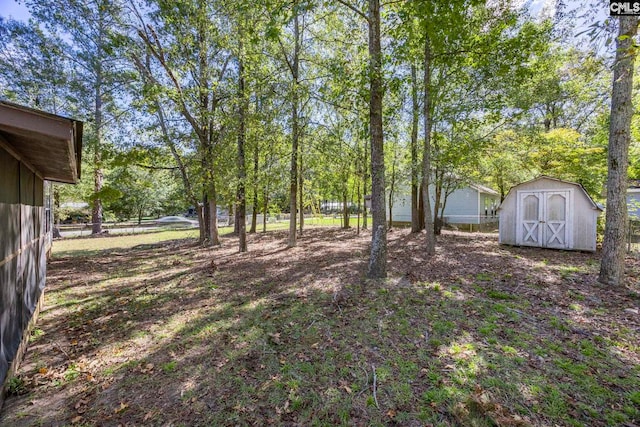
[(582, 216), (23, 248)]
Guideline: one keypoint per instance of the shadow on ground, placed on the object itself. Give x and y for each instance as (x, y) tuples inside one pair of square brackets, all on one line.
[(479, 334)]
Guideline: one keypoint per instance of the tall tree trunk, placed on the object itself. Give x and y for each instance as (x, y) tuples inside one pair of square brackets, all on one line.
[(613, 248), (293, 193), (437, 218), (206, 214), (421, 207), (254, 210), (345, 209), (301, 188), (365, 182), (98, 177), (201, 222), (392, 189), (426, 155), (415, 110), (378, 258), (359, 199), (213, 220), (242, 173), (211, 215), (265, 208)]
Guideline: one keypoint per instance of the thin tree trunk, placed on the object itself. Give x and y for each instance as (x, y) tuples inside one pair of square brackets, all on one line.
[(378, 258), (242, 173), (265, 208), (254, 211), (293, 193), (301, 188), (201, 223), (421, 207), (345, 209), (613, 248), (365, 181), (359, 198), (98, 177), (213, 223), (430, 248), (415, 109), (437, 219), (392, 189), (206, 214)]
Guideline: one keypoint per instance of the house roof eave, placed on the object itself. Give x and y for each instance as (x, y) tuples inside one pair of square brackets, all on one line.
[(50, 144)]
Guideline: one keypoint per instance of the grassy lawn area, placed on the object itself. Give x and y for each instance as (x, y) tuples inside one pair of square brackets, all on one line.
[(165, 332), (88, 246)]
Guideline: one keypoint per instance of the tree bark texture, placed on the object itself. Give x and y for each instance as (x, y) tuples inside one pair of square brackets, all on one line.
[(613, 247), (293, 193), (345, 209), (415, 110), (98, 177), (430, 244), (365, 185), (265, 209), (213, 236), (301, 187), (242, 173), (254, 211), (378, 258)]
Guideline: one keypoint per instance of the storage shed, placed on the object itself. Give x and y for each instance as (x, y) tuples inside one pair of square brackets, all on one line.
[(35, 148), (549, 213)]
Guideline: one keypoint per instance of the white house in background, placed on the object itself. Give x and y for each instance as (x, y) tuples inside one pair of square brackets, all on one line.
[(473, 204), (633, 203), (549, 213)]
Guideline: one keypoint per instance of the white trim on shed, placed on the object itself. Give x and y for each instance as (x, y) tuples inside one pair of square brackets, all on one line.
[(549, 213)]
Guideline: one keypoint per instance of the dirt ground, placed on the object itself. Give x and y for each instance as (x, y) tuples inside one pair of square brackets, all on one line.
[(479, 334)]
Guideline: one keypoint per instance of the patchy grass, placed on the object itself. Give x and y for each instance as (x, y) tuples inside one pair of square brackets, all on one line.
[(88, 246), (166, 332), (94, 245)]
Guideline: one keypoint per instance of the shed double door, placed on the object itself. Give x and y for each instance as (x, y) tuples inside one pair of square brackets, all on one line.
[(544, 218)]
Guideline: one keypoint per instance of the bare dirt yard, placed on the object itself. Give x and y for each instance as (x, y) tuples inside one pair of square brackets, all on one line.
[(480, 334)]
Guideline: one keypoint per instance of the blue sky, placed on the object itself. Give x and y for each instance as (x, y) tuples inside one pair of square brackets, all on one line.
[(11, 8), (15, 10)]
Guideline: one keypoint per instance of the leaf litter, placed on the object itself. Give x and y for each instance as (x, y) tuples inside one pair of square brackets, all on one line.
[(478, 334)]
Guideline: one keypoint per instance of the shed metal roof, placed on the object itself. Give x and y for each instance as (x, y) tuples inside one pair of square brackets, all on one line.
[(595, 205), (49, 144)]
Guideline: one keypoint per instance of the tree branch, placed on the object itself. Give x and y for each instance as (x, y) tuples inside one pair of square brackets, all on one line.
[(356, 10)]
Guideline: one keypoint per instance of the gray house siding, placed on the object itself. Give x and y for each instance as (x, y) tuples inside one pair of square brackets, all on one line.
[(463, 206), (35, 147), (633, 203), (23, 249)]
